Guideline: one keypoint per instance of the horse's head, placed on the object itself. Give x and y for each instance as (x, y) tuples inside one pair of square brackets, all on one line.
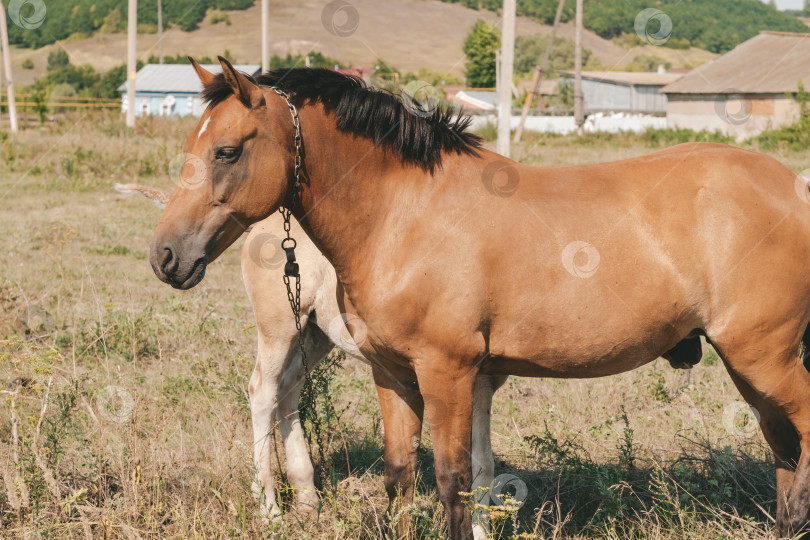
[(238, 166)]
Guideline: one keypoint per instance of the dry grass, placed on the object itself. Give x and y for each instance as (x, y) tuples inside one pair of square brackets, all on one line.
[(85, 327)]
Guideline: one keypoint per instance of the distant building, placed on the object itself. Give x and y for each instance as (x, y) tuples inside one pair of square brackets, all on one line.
[(743, 92), (171, 89), (624, 91), (478, 99)]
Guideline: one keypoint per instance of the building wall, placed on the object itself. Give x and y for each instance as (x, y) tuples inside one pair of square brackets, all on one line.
[(156, 104), (604, 96), (615, 97), (648, 99), (739, 116)]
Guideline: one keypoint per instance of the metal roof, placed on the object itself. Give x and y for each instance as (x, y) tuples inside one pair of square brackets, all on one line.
[(629, 78), (770, 63), (177, 77)]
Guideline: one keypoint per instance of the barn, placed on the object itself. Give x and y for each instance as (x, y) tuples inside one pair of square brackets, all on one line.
[(171, 89), (745, 91), (624, 91)]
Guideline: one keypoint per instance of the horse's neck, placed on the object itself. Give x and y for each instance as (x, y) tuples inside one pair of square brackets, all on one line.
[(346, 192)]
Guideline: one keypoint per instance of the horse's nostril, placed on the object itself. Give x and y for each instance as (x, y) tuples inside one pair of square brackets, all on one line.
[(168, 262)]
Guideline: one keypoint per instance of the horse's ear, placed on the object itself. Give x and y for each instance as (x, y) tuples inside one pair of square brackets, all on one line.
[(204, 75), (243, 88)]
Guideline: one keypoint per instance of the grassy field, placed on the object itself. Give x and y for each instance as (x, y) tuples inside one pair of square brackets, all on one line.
[(125, 408)]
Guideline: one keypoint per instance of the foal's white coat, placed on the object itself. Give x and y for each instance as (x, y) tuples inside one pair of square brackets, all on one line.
[(278, 377)]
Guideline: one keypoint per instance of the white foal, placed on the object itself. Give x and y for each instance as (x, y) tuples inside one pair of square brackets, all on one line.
[(277, 380)]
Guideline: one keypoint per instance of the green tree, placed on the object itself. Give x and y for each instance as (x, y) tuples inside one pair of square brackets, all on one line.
[(479, 47), (57, 59), (529, 51), (806, 9), (113, 23)]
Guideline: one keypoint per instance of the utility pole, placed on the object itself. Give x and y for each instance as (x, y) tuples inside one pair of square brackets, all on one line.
[(505, 82), (265, 35), (12, 105), (132, 32), (579, 106), (539, 73), (160, 30)]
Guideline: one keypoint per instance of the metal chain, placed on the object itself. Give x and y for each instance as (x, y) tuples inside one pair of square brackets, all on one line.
[(288, 244)]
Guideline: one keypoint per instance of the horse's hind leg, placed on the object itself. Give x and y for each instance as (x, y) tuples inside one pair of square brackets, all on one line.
[(777, 386), (483, 462)]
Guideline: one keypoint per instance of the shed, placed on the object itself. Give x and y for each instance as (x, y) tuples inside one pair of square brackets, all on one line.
[(172, 89), (625, 91), (745, 91)]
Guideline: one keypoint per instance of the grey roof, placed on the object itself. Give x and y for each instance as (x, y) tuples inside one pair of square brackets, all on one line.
[(629, 78), (177, 77), (770, 63)]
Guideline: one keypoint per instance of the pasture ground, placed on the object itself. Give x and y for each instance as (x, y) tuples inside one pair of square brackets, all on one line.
[(125, 408)]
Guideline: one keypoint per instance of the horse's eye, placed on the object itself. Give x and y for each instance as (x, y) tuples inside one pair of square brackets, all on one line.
[(228, 154)]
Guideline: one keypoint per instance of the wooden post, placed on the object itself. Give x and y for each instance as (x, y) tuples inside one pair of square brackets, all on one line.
[(12, 105), (505, 83), (579, 105), (539, 73), (132, 32), (160, 31), (265, 35)]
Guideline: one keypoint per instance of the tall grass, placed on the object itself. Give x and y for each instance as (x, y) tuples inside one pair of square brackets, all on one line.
[(124, 403)]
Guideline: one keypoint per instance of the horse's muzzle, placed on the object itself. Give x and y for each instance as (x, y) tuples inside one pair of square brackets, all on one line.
[(170, 267)]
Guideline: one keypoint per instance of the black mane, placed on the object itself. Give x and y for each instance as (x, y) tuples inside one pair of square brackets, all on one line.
[(369, 112)]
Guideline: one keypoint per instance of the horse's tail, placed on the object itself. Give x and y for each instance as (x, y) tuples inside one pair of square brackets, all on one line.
[(155, 195)]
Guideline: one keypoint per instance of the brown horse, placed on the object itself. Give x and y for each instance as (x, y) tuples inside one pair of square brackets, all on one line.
[(460, 261), (276, 383)]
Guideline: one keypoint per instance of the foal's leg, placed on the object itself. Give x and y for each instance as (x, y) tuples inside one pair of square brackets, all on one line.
[(777, 386), (447, 388), (402, 408), (273, 395), (483, 462), (300, 472), (263, 391)]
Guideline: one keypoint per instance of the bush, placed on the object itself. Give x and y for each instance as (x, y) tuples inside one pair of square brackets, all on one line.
[(28, 64)]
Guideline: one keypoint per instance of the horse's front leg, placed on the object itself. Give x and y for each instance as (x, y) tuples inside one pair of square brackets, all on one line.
[(402, 407), (263, 391), (447, 388), (300, 473)]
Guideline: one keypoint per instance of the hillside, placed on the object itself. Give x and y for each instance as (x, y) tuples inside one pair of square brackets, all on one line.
[(428, 33), (707, 24)]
